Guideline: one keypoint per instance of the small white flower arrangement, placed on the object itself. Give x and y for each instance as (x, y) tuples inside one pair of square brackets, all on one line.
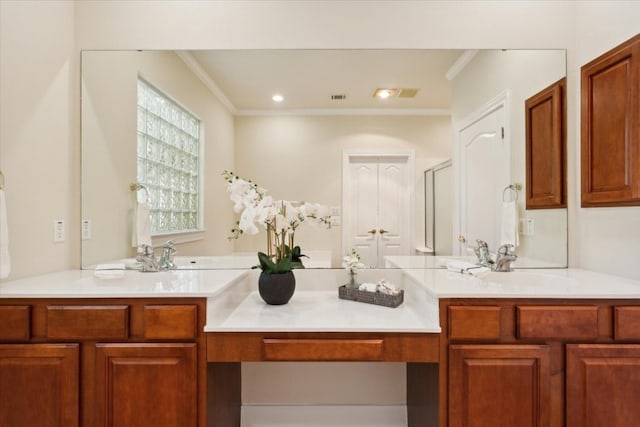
[(280, 218), (352, 262)]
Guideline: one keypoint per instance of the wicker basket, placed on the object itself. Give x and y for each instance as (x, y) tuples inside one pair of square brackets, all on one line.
[(376, 298)]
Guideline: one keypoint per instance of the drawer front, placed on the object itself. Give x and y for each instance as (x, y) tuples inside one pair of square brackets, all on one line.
[(170, 321), (557, 322), (15, 323), (474, 323), (87, 322), (322, 349), (627, 323)]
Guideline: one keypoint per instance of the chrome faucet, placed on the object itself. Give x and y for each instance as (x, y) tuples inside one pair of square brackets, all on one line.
[(504, 258), (148, 258), (168, 253), (482, 252)]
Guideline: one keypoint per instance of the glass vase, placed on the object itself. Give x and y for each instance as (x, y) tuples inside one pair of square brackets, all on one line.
[(353, 282)]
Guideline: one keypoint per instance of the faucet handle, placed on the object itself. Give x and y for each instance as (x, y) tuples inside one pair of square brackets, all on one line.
[(506, 249)]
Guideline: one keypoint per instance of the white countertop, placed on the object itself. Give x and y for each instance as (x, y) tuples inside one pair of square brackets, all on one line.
[(527, 283), (233, 303), (315, 307), (129, 283)]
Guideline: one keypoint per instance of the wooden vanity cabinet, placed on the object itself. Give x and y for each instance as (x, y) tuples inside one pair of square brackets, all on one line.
[(103, 362), (523, 362)]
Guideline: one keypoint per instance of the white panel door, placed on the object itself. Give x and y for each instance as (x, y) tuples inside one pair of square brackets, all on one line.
[(483, 175), (363, 207), (379, 207)]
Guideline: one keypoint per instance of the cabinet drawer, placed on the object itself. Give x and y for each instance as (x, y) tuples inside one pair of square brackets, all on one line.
[(557, 322), (627, 323), (322, 349), (87, 322), (14, 323), (474, 323), (170, 321)]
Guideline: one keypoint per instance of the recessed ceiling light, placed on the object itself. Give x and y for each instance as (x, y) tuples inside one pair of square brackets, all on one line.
[(277, 97), (385, 93)]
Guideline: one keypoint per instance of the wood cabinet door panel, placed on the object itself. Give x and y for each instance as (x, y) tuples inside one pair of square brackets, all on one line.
[(140, 385), (170, 321), (323, 349), (603, 385), (87, 322), (15, 323), (557, 322), (474, 323), (626, 323), (610, 127), (39, 385), (545, 148), (499, 386)]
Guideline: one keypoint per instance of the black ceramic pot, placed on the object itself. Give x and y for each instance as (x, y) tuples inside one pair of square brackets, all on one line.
[(277, 289)]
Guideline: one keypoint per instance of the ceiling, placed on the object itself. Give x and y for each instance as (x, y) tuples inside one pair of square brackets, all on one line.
[(308, 78)]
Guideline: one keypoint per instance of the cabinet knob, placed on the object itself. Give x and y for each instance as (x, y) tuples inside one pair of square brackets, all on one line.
[(372, 231), (382, 231), (462, 239)]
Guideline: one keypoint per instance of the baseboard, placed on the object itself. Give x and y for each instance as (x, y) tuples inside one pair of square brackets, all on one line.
[(324, 416)]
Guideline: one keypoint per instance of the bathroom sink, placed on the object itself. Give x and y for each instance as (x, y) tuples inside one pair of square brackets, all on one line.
[(529, 279)]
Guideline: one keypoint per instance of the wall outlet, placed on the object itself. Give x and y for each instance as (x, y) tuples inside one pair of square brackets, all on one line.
[(527, 227), (86, 229), (58, 231)]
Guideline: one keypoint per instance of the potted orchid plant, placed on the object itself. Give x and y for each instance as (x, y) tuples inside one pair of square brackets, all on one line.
[(280, 219)]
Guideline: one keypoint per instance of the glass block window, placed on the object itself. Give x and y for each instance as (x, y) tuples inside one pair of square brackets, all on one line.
[(168, 161)]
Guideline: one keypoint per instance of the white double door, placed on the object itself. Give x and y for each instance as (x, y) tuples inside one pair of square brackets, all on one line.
[(377, 204)]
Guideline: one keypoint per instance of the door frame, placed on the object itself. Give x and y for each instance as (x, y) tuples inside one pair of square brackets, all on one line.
[(347, 155), (499, 101)]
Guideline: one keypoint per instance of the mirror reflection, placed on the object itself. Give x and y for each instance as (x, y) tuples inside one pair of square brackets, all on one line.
[(354, 133)]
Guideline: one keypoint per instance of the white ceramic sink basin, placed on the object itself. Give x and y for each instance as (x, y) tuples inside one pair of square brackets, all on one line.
[(529, 279)]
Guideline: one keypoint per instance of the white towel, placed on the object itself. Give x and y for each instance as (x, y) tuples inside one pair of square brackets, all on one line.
[(5, 259), (109, 271), (141, 225), (509, 224), (463, 267), (369, 287)]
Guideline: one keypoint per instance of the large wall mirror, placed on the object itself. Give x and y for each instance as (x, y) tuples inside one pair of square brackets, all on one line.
[(329, 141)]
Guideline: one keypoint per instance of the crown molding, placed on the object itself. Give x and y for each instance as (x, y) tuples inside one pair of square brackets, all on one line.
[(197, 69), (348, 112), (462, 61)]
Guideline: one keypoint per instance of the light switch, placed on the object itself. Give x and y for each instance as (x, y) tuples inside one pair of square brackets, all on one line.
[(86, 229), (58, 231)]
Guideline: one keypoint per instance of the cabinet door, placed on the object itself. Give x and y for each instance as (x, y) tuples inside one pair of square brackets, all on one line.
[(610, 127), (499, 385), (39, 385), (603, 385), (146, 385)]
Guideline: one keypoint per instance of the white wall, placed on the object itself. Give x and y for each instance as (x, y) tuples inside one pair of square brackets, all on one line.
[(300, 158), (109, 92), (521, 74), (39, 150)]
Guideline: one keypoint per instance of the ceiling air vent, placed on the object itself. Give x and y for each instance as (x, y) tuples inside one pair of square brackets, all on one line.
[(407, 93), (338, 97)]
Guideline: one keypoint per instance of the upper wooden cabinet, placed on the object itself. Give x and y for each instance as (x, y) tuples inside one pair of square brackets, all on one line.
[(546, 148), (610, 127)]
